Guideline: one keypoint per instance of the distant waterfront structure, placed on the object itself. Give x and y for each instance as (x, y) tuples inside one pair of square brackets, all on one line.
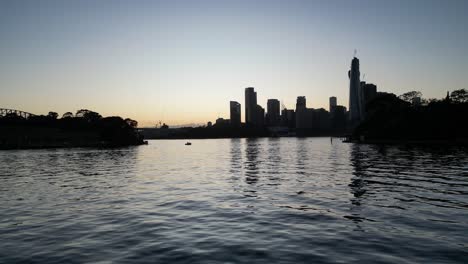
[(288, 118), (300, 103), (273, 112), (235, 113), (260, 116), (222, 122), (369, 92), (333, 104), (310, 120), (303, 115), (250, 106), (354, 91), (338, 118), (361, 100)]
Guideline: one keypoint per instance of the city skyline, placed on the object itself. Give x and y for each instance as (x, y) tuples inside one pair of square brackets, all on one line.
[(181, 62)]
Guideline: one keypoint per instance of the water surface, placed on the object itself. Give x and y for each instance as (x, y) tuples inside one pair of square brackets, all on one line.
[(268, 200)]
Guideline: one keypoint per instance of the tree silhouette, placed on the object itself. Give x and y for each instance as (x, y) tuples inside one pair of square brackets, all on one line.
[(80, 113), (459, 96), (52, 115), (88, 115), (394, 118), (409, 96), (67, 115), (132, 123), (87, 128)]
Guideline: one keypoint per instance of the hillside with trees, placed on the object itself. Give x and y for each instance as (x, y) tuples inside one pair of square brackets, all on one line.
[(84, 129), (411, 118)]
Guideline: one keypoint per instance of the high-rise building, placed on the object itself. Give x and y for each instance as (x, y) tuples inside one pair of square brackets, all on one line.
[(303, 116), (250, 106), (300, 102), (332, 104), (362, 103), (235, 110), (260, 116), (273, 112), (354, 92), (320, 120), (338, 119), (288, 118), (367, 93)]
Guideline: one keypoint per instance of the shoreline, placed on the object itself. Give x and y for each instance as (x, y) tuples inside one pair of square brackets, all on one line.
[(65, 146), (227, 137), (104, 145), (438, 142)]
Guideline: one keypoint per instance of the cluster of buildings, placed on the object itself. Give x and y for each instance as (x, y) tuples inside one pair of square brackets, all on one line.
[(303, 119)]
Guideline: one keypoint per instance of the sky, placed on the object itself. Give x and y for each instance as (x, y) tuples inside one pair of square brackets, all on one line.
[(181, 62)]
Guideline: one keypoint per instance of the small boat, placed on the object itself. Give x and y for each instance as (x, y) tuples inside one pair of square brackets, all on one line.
[(188, 144)]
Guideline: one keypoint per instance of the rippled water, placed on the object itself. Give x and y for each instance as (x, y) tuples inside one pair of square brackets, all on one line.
[(235, 200)]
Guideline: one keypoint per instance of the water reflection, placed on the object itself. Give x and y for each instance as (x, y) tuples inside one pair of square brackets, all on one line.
[(274, 162), (236, 157), (301, 155), (252, 163), (358, 181), (407, 177)]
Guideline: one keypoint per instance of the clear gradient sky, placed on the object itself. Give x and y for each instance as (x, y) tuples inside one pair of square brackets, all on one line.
[(183, 61)]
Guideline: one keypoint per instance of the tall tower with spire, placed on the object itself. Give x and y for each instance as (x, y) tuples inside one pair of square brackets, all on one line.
[(354, 92)]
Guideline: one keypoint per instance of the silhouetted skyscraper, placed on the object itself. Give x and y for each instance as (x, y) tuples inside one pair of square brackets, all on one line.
[(288, 118), (273, 112), (354, 91), (235, 110), (338, 119), (367, 93), (362, 102), (260, 116), (303, 115), (332, 104), (250, 105), (300, 103)]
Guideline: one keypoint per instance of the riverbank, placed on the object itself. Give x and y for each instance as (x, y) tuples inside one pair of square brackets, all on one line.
[(228, 132), (51, 145), (84, 129), (37, 137), (427, 142)]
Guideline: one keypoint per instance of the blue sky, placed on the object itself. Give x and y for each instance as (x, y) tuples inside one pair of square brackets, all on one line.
[(183, 61)]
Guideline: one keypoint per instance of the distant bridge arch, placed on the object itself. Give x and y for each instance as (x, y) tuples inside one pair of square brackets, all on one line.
[(4, 112)]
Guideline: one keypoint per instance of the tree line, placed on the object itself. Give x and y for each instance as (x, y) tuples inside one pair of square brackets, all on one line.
[(411, 117), (114, 129)]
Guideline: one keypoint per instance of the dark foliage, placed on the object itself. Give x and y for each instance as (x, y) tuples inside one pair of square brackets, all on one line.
[(85, 128), (459, 96), (389, 117), (410, 96)]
